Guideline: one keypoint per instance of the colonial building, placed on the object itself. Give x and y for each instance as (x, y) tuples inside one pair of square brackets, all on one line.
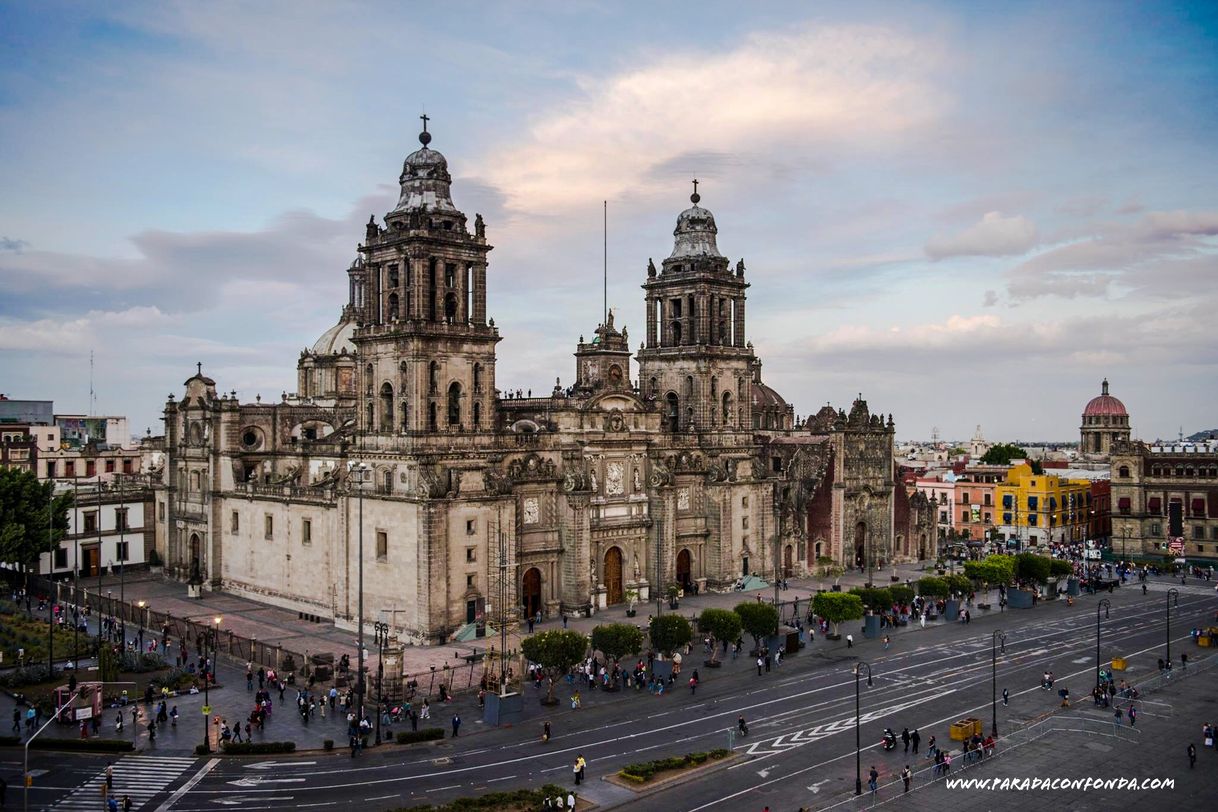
[(398, 451), (1105, 423), (1165, 499)]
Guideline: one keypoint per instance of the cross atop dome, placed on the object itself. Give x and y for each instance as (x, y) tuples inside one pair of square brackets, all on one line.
[(695, 198), (425, 137)]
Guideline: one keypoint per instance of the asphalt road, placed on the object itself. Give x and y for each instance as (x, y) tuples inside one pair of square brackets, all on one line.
[(800, 750)]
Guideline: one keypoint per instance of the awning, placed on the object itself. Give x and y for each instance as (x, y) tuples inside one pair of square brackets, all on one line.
[(1199, 507), (1123, 503), (1156, 504)]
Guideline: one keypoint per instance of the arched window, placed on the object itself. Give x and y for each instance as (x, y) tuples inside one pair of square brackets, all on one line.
[(1124, 472), (689, 417), (433, 377), (393, 307), (477, 377), (689, 386), (368, 379), (454, 404), (727, 408), (674, 412), (450, 276), (368, 419), (653, 387), (477, 415), (450, 308), (386, 407), (714, 388)]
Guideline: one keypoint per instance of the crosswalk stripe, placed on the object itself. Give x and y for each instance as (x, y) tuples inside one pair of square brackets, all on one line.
[(140, 777)]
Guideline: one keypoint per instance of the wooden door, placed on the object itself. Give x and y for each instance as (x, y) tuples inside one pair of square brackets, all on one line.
[(788, 561), (684, 565), (613, 575), (91, 564), (530, 592)]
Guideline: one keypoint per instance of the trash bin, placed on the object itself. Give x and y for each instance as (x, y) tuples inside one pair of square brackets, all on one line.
[(1119, 664), (962, 730), (1204, 640), (976, 725)]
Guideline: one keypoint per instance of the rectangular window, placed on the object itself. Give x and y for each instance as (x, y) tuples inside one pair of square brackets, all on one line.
[(987, 518), (471, 554), (470, 527), (109, 466), (61, 557), (1006, 518), (306, 531), (744, 501), (1156, 529), (469, 582), (1033, 502), (988, 499), (126, 466), (234, 525), (268, 526), (1198, 531), (1214, 533), (1031, 519), (943, 516), (69, 468), (120, 519), (50, 469), (91, 521), (160, 511), (746, 523), (124, 550), (964, 497), (382, 545), (90, 468)]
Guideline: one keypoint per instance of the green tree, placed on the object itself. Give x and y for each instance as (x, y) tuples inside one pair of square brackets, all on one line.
[(1060, 568), (994, 569), (557, 651), (107, 663), (721, 625), (27, 508), (669, 633), (958, 583), (837, 607), (901, 593), (1032, 567), (932, 587), (616, 640), (1003, 453), (877, 599), (758, 619)]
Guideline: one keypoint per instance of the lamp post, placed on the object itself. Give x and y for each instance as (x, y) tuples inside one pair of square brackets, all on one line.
[(858, 766), (359, 473), (1173, 596), (51, 608), (141, 604), (999, 638), (110, 600), (209, 641), (1106, 605), (381, 632)]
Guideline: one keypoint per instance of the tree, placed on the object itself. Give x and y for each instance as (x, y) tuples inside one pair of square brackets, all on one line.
[(758, 619), (1060, 568), (27, 507), (901, 593), (1003, 453), (616, 640), (557, 651), (1032, 568), (993, 569), (932, 587), (721, 625), (107, 663), (669, 632), (837, 607), (875, 599), (960, 584)]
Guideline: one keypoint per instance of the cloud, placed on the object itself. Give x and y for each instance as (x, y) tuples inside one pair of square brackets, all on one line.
[(991, 299), (775, 95), (1166, 254), (60, 336), (9, 244), (993, 236)]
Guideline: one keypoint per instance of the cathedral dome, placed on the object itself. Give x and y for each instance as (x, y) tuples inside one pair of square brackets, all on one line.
[(765, 397), (336, 340), (425, 180), (695, 232), (1105, 405)]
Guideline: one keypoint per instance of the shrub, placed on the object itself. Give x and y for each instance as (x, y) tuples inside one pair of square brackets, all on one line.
[(874, 599), (721, 625), (901, 593), (958, 583), (644, 771), (257, 748), (202, 750), (327, 744), (520, 800), (931, 587), (1032, 567), (1059, 567), (427, 734), (95, 745)]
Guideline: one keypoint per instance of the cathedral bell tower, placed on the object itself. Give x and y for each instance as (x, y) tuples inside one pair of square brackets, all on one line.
[(426, 351), (695, 360)]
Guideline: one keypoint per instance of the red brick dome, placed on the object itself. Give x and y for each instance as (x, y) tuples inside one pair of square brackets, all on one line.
[(1105, 404)]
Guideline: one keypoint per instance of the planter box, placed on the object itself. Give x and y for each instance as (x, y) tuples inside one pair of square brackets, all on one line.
[(1019, 599), (674, 605), (837, 587), (894, 578), (631, 612), (983, 606), (951, 610), (503, 711), (834, 637), (871, 627)]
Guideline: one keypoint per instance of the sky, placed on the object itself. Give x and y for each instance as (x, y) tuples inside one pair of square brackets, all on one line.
[(970, 213)]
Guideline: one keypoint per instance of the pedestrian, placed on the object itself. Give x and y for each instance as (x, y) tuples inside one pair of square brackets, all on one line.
[(887, 641), (1133, 715), (109, 780), (915, 739), (759, 666), (1192, 755), (456, 724), (873, 780), (905, 738), (564, 620), (545, 731), (850, 641), (906, 776), (576, 770), (1006, 697), (570, 801)]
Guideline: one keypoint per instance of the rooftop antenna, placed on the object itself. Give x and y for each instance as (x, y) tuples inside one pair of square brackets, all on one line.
[(605, 224)]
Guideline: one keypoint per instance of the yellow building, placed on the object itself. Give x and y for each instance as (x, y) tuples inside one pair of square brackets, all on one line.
[(1042, 509)]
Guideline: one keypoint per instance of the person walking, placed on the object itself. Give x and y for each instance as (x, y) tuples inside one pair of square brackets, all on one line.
[(907, 776), (1006, 697), (887, 641), (1133, 715), (456, 724), (915, 739), (545, 731), (759, 666), (1192, 755), (905, 738), (577, 770), (850, 641), (873, 781)]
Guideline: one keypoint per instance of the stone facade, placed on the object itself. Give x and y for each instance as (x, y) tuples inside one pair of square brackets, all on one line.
[(694, 473), (1165, 500)]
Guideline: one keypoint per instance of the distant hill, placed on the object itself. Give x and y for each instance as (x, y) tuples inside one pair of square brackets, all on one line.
[(1202, 436)]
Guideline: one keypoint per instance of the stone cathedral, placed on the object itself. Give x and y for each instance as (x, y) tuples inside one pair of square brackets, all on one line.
[(686, 469)]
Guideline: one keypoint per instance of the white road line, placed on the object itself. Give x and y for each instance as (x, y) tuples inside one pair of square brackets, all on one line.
[(504, 778), (441, 789), (386, 797)]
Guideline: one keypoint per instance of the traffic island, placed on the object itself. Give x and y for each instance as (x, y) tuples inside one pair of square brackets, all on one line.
[(649, 775)]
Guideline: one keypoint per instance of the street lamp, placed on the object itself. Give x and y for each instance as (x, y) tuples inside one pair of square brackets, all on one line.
[(1173, 596), (141, 604), (381, 632), (209, 637), (359, 474), (1106, 605), (999, 638), (858, 768)]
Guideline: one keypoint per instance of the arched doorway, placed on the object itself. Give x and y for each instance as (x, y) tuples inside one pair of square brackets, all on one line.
[(530, 592), (684, 565), (613, 575), (922, 547), (196, 566), (860, 540), (788, 561)]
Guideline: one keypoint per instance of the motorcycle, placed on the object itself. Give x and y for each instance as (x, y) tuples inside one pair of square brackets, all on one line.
[(890, 740), (742, 726)]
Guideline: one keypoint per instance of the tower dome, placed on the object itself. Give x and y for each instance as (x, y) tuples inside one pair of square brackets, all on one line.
[(695, 233), (1105, 404), (425, 180)]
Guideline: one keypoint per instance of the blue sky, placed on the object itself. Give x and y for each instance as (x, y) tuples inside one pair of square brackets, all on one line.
[(969, 212)]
